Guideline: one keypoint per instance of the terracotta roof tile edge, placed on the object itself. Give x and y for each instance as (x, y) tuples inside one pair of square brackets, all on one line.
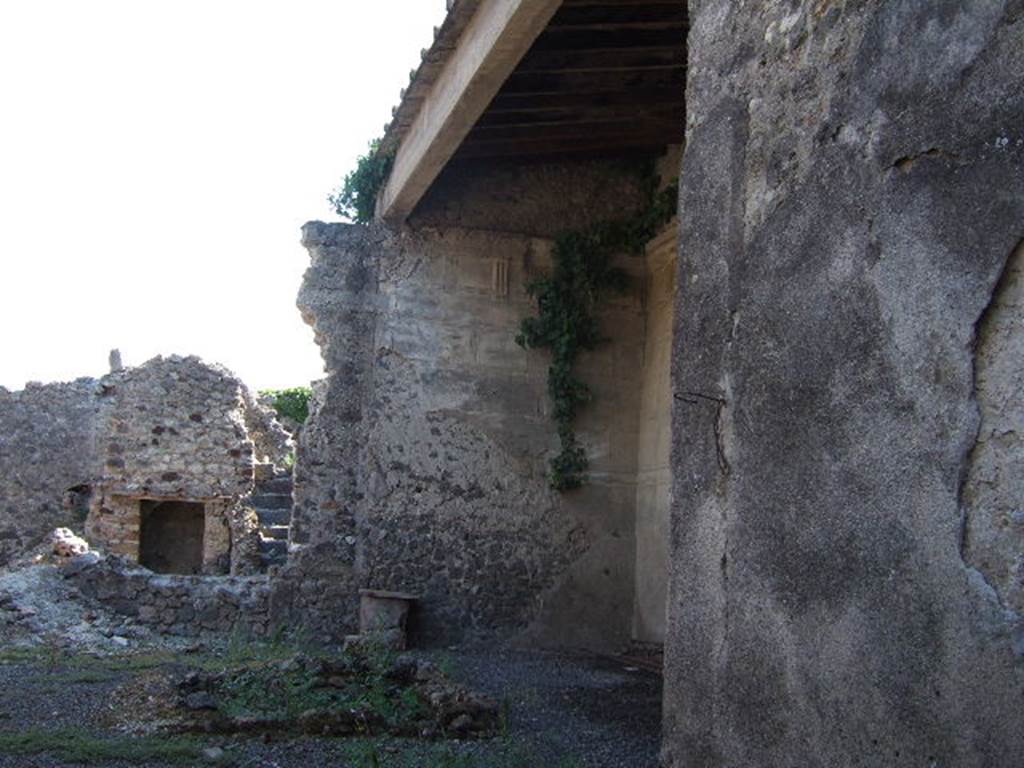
[(434, 59)]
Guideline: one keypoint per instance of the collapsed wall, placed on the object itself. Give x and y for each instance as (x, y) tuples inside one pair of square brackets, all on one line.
[(47, 445), (170, 442), (852, 188), (174, 454)]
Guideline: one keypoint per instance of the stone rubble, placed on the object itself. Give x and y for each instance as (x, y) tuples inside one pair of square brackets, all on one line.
[(66, 544)]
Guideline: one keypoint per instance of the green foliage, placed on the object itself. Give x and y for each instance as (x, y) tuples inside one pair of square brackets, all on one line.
[(264, 687), (566, 321), (291, 403), (357, 197), (74, 745)]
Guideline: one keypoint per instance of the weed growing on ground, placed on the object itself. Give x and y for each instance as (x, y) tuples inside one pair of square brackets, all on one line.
[(501, 753), (78, 746), (274, 681)]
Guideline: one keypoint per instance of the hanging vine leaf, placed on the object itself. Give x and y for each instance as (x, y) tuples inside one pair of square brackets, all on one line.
[(566, 321)]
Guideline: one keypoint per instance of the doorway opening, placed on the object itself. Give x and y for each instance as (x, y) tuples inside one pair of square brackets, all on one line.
[(171, 536)]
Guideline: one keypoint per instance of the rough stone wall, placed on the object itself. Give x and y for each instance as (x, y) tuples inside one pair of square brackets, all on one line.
[(272, 443), (423, 466), (46, 447), (534, 199), (852, 188), (176, 428), (173, 428), (654, 476), (186, 606)]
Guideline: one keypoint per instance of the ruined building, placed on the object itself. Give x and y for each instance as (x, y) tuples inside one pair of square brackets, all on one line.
[(804, 435), (159, 463)]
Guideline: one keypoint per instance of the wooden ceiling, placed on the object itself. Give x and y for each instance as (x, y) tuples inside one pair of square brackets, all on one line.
[(605, 77)]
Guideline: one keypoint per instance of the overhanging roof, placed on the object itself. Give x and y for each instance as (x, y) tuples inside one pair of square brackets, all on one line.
[(539, 78)]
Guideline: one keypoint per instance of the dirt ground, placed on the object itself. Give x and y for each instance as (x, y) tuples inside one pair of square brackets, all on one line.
[(90, 691)]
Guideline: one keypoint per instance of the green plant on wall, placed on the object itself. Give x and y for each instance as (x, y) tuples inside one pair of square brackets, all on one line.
[(290, 403), (566, 323), (356, 199)]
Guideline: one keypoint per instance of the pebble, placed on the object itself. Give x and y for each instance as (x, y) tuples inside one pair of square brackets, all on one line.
[(200, 700), (213, 754)]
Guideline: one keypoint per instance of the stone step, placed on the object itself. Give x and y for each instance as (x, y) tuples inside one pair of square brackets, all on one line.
[(271, 500), (274, 516), (277, 532), (273, 547), (281, 484)]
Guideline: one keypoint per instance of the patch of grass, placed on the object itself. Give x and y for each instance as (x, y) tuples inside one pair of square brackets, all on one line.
[(21, 654), (264, 687), (78, 746), (392, 753)]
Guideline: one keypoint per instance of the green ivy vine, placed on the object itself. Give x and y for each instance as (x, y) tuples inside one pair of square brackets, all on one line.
[(356, 199), (566, 321)]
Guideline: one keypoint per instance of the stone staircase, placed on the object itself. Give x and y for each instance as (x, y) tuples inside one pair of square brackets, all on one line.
[(271, 499)]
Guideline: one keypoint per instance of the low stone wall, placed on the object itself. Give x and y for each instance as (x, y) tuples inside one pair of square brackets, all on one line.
[(187, 606)]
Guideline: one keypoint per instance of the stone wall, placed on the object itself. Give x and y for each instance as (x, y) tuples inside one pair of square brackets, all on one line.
[(852, 188), (175, 427), (186, 606), (172, 429), (272, 443), (47, 439), (536, 199), (423, 467)]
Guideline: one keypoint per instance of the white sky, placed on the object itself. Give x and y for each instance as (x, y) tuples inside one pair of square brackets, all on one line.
[(157, 159)]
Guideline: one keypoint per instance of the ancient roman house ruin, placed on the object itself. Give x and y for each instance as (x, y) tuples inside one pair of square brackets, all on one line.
[(160, 464), (831, 516), (799, 455)]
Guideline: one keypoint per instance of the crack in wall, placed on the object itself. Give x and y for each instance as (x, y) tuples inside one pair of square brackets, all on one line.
[(906, 163), (991, 535), (717, 425)]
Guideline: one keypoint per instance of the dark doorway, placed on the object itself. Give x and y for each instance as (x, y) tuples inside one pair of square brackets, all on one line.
[(171, 536)]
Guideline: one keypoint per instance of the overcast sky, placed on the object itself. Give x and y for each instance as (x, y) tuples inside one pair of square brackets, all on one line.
[(157, 160)]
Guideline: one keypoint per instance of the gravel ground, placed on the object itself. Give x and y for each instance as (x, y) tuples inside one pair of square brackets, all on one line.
[(565, 711), (597, 711)]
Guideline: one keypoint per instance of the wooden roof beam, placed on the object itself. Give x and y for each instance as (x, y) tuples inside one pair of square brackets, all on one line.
[(494, 41)]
